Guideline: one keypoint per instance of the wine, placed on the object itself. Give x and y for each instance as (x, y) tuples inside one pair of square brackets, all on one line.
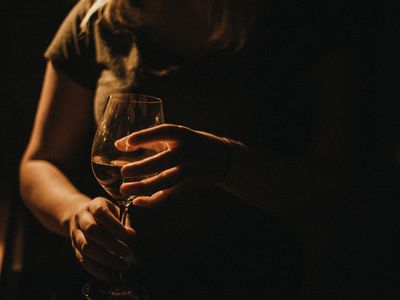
[(123, 115), (107, 170)]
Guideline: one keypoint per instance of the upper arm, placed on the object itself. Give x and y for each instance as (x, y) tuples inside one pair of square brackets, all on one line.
[(63, 119), (72, 50)]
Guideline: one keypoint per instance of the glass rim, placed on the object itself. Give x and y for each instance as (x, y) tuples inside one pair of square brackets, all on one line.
[(135, 97)]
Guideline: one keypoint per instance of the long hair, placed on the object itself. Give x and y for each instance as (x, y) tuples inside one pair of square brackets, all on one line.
[(230, 22), (119, 15)]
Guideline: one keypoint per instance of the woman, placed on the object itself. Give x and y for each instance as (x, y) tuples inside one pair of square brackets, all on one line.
[(232, 204)]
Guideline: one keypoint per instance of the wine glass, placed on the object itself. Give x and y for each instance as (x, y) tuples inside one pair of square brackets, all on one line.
[(123, 115)]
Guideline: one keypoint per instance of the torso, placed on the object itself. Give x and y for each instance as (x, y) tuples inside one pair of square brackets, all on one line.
[(259, 96)]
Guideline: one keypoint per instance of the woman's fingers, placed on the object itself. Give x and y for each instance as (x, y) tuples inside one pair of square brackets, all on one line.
[(98, 234), (157, 198), (149, 186), (151, 201), (94, 268), (153, 164), (102, 214), (164, 132), (87, 249), (100, 241), (195, 157)]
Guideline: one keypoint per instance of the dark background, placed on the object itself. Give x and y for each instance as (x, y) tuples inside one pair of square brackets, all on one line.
[(26, 29)]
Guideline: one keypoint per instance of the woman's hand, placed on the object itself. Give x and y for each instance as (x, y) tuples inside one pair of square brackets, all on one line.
[(99, 240), (192, 158)]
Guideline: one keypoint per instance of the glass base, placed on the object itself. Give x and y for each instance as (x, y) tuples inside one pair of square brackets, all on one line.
[(99, 290)]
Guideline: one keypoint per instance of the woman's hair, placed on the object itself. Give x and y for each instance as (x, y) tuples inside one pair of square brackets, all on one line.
[(230, 22), (119, 15)]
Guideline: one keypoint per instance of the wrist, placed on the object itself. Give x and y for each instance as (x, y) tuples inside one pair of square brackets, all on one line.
[(70, 209)]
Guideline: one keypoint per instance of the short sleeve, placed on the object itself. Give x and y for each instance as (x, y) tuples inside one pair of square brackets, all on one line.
[(73, 51)]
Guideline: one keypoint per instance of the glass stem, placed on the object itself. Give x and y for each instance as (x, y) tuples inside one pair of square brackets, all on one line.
[(123, 213)]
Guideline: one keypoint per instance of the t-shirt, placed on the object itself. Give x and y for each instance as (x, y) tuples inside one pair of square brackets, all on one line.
[(257, 89), (207, 244)]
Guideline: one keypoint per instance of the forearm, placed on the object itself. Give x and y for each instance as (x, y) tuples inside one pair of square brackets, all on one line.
[(280, 185), (49, 194), (248, 177)]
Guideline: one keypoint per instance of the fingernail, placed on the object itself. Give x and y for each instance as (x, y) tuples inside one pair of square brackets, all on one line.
[(122, 189), (136, 202), (131, 231), (120, 144)]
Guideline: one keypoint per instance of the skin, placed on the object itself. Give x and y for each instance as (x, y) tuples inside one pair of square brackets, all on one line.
[(193, 159), (177, 167), (96, 236)]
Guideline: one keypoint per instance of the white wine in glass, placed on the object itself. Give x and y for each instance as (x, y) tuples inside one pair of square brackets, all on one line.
[(123, 115)]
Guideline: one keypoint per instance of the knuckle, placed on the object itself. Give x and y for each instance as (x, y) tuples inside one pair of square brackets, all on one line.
[(79, 214), (173, 128), (94, 202), (181, 130), (167, 125), (90, 229), (99, 211), (180, 127), (98, 200)]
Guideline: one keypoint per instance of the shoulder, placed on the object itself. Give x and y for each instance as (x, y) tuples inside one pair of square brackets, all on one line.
[(72, 49), (81, 11), (69, 33)]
